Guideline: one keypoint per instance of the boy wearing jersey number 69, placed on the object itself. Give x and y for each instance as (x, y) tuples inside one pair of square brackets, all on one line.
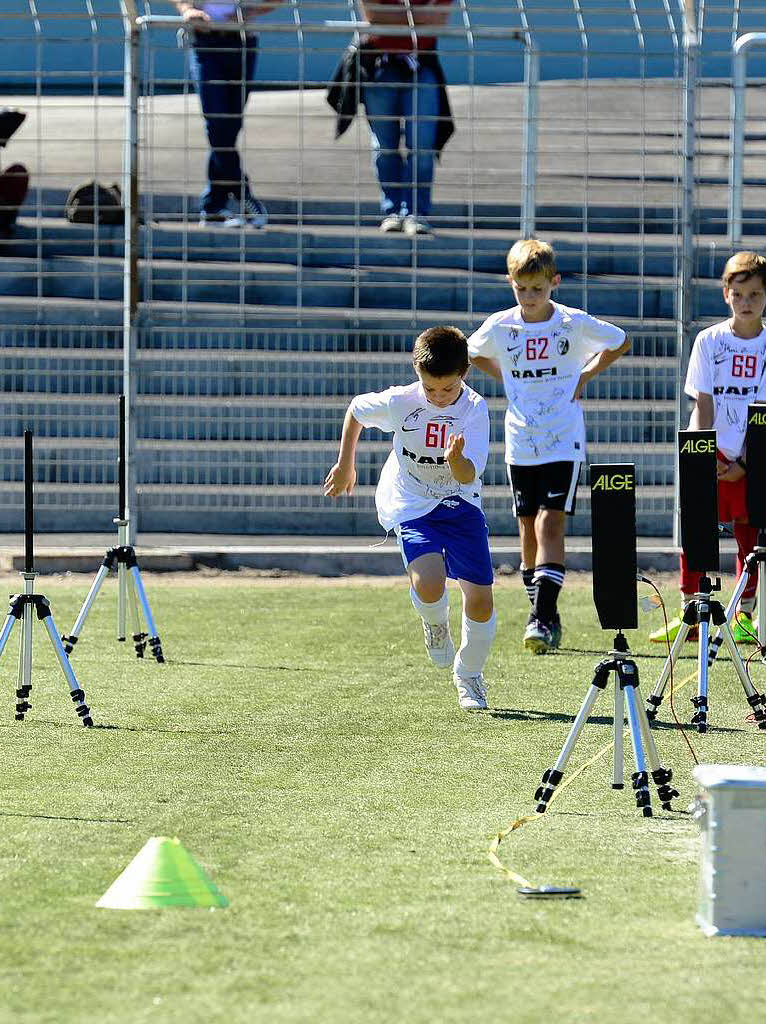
[(544, 354), (726, 374), (429, 493)]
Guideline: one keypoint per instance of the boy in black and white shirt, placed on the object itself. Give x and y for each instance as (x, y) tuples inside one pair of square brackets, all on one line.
[(429, 493), (544, 354)]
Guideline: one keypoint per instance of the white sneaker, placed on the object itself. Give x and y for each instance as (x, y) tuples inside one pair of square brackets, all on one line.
[(439, 644), (537, 637), (416, 226), (393, 222), (471, 692)]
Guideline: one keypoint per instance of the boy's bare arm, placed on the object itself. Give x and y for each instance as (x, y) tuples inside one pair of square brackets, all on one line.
[(489, 366), (703, 413), (342, 476), (461, 468), (598, 364)]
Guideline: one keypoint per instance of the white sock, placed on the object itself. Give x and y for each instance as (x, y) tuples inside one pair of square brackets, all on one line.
[(475, 642), (435, 613)]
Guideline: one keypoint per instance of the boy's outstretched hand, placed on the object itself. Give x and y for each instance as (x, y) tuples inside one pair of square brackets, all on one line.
[(340, 480), (455, 446)]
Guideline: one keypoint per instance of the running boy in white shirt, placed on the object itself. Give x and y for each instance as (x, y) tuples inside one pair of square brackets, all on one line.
[(544, 354), (429, 493), (727, 372)]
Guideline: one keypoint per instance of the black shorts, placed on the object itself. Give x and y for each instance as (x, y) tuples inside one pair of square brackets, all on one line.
[(549, 485)]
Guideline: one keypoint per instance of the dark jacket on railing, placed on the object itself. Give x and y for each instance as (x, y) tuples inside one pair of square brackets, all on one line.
[(357, 66)]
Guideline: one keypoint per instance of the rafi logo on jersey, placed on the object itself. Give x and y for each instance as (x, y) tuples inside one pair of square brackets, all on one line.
[(757, 419), (732, 389), (424, 460), (614, 482), (547, 371), (411, 421), (697, 447)]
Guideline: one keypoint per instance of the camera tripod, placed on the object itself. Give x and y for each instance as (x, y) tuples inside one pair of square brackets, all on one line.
[(627, 695), (20, 610), (130, 593), (700, 611), (755, 564), (130, 589)]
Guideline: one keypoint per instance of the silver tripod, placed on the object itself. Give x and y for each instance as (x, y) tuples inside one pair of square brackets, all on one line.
[(627, 696), (700, 611), (130, 589), (755, 563), (20, 610), (21, 607), (130, 595)]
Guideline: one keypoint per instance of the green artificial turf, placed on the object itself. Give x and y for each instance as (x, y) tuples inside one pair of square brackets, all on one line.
[(308, 756)]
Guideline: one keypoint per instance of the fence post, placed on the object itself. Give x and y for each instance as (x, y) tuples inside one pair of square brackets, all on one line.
[(737, 155), (684, 292), (529, 160), (130, 263)]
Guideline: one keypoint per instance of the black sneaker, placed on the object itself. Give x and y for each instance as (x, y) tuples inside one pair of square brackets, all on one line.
[(254, 213), (556, 631)]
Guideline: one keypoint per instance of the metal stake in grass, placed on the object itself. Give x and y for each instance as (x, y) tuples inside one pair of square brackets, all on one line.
[(130, 589), (21, 608)]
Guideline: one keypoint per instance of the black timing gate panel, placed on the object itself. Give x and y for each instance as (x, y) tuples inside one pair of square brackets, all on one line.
[(698, 498), (613, 529)]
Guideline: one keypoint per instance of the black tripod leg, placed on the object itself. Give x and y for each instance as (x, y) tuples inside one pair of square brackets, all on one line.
[(77, 695), (553, 776), (654, 699), (154, 641), (640, 778), (22, 690)]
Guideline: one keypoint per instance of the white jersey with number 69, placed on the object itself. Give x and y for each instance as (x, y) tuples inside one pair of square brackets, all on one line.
[(733, 371), (416, 476)]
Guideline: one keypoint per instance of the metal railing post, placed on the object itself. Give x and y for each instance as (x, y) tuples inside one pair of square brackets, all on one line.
[(130, 262), (737, 154), (684, 288), (529, 158)]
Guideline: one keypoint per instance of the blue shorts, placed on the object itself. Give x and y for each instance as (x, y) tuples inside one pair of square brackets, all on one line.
[(456, 530)]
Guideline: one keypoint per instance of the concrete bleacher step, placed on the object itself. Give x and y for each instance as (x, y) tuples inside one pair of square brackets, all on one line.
[(482, 251), (371, 288)]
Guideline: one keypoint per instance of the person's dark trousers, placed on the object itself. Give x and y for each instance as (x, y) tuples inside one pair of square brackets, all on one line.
[(223, 68)]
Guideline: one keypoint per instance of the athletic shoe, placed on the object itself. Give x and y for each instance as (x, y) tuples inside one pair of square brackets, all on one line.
[(556, 632), (666, 636), (471, 692), (416, 226), (744, 631), (537, 637), (221, 216), (439, 644), (254, 214), (393, 222)]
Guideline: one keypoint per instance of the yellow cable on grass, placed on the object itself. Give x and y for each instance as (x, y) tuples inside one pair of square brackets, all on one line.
[(495, 844)]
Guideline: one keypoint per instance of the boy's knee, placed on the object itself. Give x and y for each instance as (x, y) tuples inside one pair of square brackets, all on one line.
[(479, 607), (428, 590)]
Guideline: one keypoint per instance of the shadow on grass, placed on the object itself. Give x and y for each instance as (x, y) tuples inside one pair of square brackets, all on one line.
[(604, 653), (122, 728), (62, 817), (532, 715)]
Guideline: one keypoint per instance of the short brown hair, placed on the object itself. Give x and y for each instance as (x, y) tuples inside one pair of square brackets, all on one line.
[(747, 264), (531, 256), (441, 351)]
